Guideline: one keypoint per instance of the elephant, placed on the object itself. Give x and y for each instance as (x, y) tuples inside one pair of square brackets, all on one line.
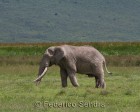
[(74, 59)]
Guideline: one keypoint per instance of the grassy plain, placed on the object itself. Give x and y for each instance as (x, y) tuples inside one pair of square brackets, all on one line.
[(19, 67), (18, 93)]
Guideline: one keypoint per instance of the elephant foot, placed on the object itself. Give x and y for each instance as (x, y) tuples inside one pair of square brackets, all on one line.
[(76, 85), (64, 86), (103, 85)]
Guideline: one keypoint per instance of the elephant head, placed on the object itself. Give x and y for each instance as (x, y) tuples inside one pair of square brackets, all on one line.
[(52, 56)]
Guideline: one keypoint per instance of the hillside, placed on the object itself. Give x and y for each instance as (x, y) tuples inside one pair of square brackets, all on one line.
[(69, 20)]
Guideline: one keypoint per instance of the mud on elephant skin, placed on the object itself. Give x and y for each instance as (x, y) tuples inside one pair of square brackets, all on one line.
[(74, 59)]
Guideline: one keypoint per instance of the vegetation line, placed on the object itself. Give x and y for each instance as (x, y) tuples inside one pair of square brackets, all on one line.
[(116, 53)]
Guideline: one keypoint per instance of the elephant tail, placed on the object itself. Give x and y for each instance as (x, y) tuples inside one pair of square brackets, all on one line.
[(104, 63)]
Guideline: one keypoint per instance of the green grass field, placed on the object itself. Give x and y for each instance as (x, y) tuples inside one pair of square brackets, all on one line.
[(18, 93)]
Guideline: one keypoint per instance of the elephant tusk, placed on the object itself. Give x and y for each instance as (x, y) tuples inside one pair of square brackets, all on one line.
[(41, 75)]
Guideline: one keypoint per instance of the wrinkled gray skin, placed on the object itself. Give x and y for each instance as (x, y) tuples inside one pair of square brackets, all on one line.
[(74, 59)]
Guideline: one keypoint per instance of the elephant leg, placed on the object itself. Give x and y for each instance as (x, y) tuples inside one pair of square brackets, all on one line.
[(100, 75), (73, 80), (101, 81), (97, 84), (64, 76)]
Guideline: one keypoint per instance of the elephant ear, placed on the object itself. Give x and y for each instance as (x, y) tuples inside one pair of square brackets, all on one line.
[(50, 51), (59, 54)]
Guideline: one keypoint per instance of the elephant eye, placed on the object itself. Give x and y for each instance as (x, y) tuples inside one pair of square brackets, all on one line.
[(46, 65)]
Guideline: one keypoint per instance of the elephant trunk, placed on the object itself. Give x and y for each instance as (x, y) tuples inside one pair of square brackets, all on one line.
[(40, 74)]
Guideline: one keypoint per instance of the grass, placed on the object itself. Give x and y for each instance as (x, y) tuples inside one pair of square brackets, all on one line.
[(107, 48), (116, 53), (19, 93)]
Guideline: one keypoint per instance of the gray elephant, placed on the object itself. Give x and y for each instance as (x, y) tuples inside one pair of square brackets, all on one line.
[(74, 59)]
